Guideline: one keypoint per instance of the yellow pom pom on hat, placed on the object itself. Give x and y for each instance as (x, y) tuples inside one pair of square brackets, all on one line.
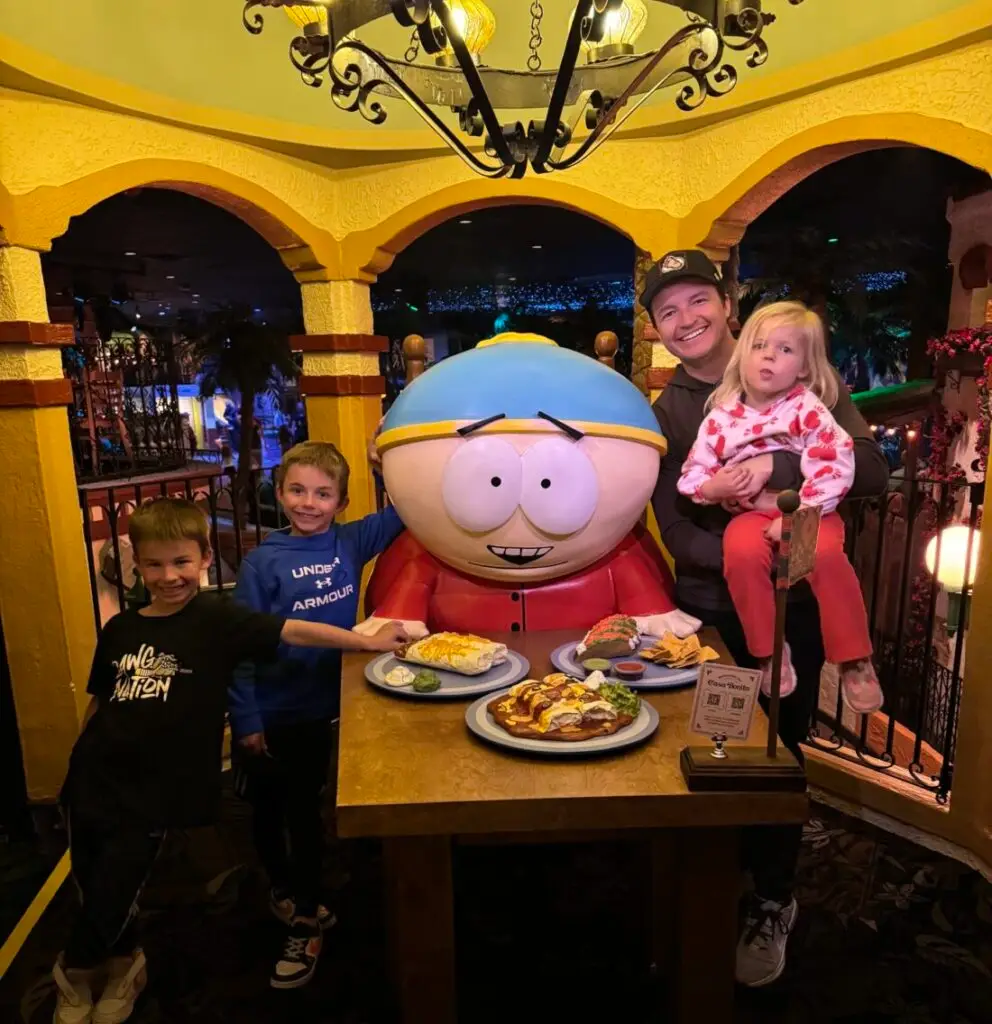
[(520, 383)]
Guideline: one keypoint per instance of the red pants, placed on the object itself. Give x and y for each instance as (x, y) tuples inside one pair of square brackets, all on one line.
[(747, 566)]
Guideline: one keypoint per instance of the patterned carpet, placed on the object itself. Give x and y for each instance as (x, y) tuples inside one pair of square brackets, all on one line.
[(888, 932)]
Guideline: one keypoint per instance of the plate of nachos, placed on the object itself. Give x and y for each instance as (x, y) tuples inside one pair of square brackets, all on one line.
[(615, 647)]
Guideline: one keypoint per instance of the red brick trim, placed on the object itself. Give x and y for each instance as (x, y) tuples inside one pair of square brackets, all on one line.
[(350, 384), (24, 332), (35, 394), (339, 343)]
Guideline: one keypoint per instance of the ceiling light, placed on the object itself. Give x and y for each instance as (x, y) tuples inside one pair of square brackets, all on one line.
[(170, 277), (537, 246), (473, 23), (465, 220), (130, 253), (621, 29), (435, 67)]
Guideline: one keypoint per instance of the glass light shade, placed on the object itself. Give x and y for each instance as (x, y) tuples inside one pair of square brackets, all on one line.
[(303, 15), (622, 28), (474, 22), (951, 572)]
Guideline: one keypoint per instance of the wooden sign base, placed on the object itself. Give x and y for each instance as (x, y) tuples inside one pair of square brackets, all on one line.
[(743, 769)]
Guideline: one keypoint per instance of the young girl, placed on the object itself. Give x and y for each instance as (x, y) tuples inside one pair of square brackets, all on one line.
[(774, 397)]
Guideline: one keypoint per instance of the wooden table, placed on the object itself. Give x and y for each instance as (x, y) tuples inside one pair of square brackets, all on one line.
[(411, 773)]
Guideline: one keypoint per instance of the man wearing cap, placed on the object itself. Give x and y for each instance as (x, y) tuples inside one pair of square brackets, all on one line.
[(687, 300), (521, 470)]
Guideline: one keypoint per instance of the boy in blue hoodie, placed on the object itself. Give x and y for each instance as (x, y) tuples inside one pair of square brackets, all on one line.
[(282, 713)]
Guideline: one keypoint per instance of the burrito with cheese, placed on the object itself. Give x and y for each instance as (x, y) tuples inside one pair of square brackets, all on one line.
[(455, 652)]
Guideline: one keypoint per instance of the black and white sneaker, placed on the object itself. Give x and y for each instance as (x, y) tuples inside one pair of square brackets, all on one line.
[(283, 906), (761, 950), (299, 957)]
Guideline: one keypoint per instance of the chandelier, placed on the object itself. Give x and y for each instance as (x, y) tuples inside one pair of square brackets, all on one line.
[(600, 81)]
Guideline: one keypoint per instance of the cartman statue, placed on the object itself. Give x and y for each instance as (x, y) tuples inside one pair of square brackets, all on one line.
[(521, 471)]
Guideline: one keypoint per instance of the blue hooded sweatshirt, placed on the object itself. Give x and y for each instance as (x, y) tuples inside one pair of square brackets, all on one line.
[(313, 578)]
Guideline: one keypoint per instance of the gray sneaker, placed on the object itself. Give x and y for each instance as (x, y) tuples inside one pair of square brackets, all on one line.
[(761, 950)]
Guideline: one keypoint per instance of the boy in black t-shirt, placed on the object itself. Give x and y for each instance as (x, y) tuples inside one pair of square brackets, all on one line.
[(148, 757)]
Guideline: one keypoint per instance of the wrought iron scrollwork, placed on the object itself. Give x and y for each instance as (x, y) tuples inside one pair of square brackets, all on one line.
[(358, 73), (750, 23), (416, 14), (256, 22), (311, 56), (469, 119), (350, 92)]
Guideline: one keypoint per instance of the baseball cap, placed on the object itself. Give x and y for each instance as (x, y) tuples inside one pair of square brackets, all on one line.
[(680, 265)]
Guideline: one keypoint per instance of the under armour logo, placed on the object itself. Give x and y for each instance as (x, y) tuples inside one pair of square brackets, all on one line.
[(325, 582)]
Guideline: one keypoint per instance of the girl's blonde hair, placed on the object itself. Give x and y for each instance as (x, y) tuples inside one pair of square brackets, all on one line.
[(820, 377)]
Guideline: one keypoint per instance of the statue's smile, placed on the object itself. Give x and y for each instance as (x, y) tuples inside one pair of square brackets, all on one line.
[(519, 556)]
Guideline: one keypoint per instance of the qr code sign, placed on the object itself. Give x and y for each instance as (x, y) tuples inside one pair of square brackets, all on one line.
[(737, 703), (713, 700)]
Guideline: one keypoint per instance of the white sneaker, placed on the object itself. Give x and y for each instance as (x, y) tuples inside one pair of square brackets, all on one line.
[(73, 994), (284, 908), (761, 950), (126, 979), (299, 957)]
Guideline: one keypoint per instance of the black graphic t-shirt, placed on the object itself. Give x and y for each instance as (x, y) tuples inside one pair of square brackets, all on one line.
[(152, 750)]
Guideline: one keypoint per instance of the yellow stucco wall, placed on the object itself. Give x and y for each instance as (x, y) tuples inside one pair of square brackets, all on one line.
[(57, 159)]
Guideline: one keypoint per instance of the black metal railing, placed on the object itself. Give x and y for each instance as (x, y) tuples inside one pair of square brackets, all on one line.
[(919, 665), (918, 653), (235, 528)]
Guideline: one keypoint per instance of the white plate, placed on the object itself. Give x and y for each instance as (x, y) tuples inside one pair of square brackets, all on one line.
[(453, 684), (478, 719), (656, 677)]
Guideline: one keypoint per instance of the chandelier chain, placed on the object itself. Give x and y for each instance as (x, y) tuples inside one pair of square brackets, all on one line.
[(536, 39), (413, 50)]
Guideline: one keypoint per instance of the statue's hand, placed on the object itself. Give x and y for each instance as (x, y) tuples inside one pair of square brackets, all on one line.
[(677, 622), (414, 630)]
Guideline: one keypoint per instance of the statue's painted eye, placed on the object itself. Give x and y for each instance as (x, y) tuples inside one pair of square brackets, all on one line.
[(481, 484), (560, 487)]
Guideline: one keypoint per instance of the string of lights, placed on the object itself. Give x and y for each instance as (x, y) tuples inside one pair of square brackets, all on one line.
[(525, 298), (542, 298)]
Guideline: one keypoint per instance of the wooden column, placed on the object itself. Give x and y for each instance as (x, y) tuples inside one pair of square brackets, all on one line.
[(341, 382), (44, 578)]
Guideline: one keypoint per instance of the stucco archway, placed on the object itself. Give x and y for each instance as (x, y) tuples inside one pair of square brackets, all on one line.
[(719, 223), (44, 213), (366, 254)]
